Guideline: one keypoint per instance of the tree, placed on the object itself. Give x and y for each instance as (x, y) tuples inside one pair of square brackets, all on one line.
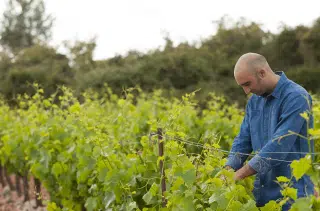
[(41, 64), (311, 44), (81, 54), (24, 24)]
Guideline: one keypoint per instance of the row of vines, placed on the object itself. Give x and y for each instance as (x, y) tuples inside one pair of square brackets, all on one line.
[(102, 153)]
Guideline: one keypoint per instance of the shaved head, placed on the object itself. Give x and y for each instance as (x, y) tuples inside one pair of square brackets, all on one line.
[(253, 73), (251, 62)]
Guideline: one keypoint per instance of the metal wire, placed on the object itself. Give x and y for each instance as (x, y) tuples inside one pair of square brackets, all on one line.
[(240, 153)]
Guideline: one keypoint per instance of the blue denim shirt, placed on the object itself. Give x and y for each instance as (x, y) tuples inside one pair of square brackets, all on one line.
[(266, 119)]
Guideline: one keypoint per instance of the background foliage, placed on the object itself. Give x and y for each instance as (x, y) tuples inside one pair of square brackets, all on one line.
[(26, 57)]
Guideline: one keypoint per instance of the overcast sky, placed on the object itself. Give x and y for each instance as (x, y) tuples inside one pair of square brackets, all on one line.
[(121, 25)]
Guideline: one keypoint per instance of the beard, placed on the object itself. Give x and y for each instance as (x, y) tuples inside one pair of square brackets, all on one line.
[(261, 92)]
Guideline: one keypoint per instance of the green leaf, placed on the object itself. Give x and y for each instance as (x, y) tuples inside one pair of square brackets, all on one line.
[(250, 206), (223, 203), (181, 134), (53, 207), (57, 169), (302, 204), (188, 204), (190, 176), (283, 179), (38, 170), (216, 181), (153, 191), (160, 158), (300, 167), (91, 203), (108, 199), (176, 185), (290, 192), (82, 175), (220, 199), (131, 206), (102, 174), (217, 146), (147, 197), (214, 197), (199, 207), (271, 206), (305, 115), (235, 205)]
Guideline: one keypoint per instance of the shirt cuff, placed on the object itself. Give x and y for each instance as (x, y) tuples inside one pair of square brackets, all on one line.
[(235, 161), (260, 164)]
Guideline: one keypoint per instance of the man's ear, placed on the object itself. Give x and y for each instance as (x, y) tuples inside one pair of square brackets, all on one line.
[(261, 73)]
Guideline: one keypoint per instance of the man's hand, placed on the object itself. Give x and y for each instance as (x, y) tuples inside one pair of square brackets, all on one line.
[(244, 172)]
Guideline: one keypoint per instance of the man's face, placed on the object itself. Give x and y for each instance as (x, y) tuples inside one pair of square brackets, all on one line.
[(250, 82)]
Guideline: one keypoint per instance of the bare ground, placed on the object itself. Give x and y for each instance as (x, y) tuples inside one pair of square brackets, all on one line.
[(10, 201)]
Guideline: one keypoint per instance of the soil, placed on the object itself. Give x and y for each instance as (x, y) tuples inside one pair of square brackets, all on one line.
[(10, 201)]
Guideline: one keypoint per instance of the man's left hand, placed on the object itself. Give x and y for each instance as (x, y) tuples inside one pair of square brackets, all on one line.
[(244, 172)]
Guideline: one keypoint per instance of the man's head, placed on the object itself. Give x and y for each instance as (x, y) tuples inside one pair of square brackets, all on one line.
[(253, 73)]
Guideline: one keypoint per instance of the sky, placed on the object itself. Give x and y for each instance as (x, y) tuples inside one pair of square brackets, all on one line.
[(123, 25)]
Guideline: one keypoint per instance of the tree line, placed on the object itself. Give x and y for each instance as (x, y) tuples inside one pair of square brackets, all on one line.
[(27, 57)]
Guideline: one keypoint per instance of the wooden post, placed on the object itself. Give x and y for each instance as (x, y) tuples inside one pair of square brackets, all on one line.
[(162, 173)]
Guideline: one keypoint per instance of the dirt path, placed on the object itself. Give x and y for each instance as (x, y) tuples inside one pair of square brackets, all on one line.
[(10, 201)]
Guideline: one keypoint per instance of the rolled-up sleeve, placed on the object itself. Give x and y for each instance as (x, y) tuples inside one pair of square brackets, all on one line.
[(290, 120), (241, 143)]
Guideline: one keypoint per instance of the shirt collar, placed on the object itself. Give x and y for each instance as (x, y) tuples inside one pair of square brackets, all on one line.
[(283, 80)]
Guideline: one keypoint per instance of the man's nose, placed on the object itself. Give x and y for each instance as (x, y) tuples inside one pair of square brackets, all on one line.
[(246, 90)]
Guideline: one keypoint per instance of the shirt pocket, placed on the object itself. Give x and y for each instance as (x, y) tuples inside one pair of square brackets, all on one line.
[(255, 123)]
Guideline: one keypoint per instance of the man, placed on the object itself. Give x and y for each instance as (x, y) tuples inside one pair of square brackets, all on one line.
[(273, 109)]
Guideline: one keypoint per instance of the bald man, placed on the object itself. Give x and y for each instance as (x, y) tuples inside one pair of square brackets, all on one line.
[(272, 111)]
